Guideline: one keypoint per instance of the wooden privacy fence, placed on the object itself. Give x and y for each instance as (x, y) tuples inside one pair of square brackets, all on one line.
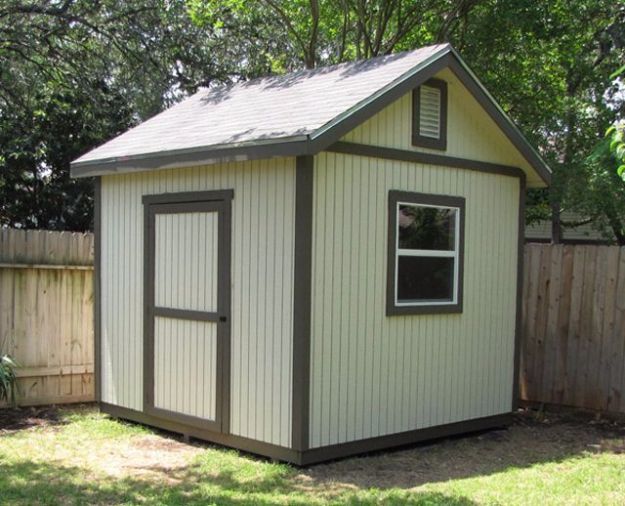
[(46, 313), (573, 347)]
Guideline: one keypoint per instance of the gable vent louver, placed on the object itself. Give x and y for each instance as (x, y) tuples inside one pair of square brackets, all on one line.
[(430, 112)]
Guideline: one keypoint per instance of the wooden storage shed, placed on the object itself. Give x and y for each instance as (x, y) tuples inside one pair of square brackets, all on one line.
[(318, 264)]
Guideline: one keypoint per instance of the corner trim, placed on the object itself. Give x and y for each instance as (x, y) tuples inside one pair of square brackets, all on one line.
[(394, 196), (402, 155), (97, 288), (302, 301), (417, 138)]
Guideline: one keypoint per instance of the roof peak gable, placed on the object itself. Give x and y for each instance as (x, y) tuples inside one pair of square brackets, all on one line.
[(300, 113)]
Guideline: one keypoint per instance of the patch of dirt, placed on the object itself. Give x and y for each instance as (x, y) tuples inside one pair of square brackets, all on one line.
[(14, 419), (532, 439), (150, 456), (535, 437)]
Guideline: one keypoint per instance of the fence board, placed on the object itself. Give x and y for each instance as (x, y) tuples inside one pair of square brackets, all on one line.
[(46, 313), (574, 326)]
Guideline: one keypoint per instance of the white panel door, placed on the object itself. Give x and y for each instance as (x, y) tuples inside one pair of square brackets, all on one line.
[(187, 309)]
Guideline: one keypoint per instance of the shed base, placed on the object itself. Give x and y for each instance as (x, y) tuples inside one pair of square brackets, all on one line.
[(314, 455)]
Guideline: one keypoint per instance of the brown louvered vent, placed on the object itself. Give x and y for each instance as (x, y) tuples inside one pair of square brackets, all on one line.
[(430, 119)]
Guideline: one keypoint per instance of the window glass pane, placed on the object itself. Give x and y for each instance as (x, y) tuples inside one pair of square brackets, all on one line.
[(425, 279), (422, 227)]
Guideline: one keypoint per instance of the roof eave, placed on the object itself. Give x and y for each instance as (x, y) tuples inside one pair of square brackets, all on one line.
[(206, 155), (329, 133)]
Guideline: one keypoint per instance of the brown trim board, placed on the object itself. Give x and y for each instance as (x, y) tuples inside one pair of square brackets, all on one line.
[(395, 196), (97, 288), (230, 440), (302, 301), (176, 159), (315, 455), (341, 450), (470, 81), (403, 155)]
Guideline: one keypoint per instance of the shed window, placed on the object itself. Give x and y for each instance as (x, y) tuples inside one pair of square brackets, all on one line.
[(429, 115), (425, 253)]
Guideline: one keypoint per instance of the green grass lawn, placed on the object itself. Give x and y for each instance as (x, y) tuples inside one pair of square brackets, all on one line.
[(80, 456)]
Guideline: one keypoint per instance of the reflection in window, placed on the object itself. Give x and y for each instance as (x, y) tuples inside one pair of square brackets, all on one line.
[(426, 262), (430, 228)]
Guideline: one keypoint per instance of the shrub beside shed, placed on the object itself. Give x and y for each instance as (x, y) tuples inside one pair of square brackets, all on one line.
[(318, 264)]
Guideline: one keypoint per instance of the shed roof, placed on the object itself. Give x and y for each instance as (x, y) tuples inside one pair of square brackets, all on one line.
[(299, 113)]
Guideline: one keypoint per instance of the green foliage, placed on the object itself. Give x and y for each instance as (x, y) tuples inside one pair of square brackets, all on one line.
[(548, 63), (7, 378), (75, 73), (616, 136)]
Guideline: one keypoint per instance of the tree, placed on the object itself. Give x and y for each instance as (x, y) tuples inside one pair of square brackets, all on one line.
[(100, 67), (75, 73), (547, 63)]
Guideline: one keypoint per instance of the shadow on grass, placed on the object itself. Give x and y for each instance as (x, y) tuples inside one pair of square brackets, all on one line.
[(14, 419), (49, 484), (527, 443)]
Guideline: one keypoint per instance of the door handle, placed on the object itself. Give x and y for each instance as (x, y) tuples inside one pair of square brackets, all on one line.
[(223, 319)]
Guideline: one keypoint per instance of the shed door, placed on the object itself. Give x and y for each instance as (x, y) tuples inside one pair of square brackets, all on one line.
[(187, 311)]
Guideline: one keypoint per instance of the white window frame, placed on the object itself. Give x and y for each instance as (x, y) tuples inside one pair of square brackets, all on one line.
[(429, 253)]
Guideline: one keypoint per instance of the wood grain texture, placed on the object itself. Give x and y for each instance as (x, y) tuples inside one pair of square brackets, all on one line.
[(574, 326), (46, 314)]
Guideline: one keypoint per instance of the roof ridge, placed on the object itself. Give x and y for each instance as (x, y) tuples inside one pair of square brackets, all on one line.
[(304, 72)]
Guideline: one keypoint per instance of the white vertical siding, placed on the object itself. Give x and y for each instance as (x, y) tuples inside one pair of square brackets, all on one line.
[(262, 287), (371, 374), (186, 261), (471, 133), (185, 364)]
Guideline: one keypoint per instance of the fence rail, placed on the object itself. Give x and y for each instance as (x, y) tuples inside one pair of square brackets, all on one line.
[(46, 313), (573, 347)]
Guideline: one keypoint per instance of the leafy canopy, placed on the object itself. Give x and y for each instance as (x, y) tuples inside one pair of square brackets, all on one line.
[(74, 73)]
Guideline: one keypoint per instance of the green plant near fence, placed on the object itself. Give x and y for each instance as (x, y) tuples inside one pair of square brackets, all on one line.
[(7, 378)]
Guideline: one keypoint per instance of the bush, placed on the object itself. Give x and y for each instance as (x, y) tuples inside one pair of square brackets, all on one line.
[(7, 378)]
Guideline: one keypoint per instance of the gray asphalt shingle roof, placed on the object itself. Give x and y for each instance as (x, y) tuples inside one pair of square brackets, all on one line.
[(298, 114), (267, 109)]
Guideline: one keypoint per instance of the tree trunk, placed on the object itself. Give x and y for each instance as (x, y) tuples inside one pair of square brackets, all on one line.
[(556, 223)]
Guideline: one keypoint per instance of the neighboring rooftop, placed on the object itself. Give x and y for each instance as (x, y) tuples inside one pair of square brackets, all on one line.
[(585, 232)]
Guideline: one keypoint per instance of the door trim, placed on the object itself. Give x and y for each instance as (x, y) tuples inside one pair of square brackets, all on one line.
[(205, 201)]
